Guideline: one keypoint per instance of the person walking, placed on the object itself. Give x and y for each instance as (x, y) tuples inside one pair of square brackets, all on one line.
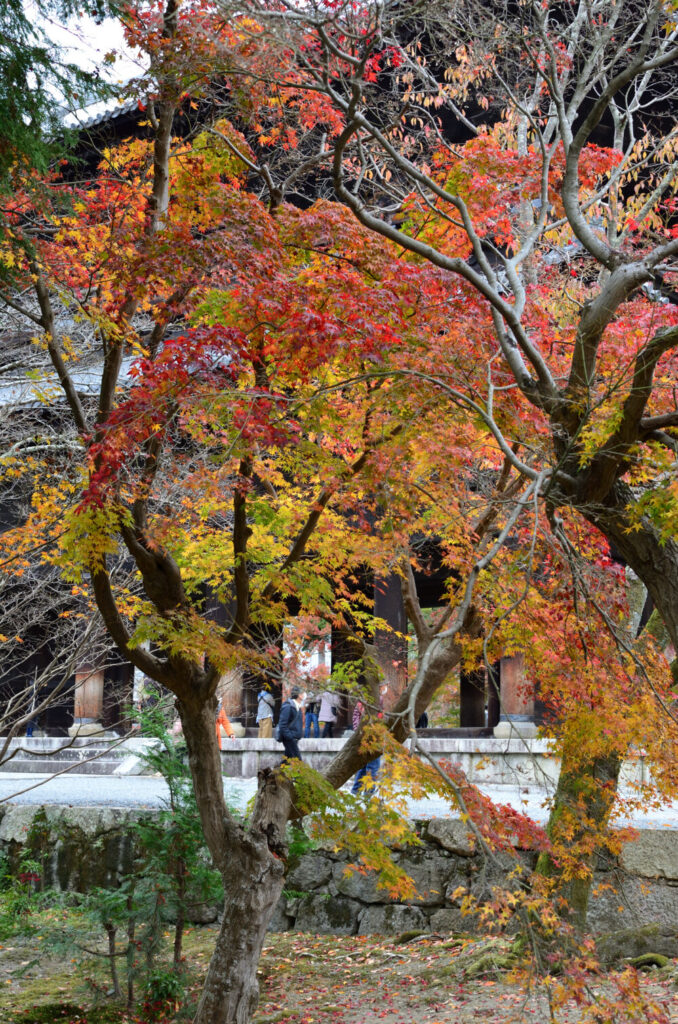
[(328, 713), (265, 707), (312, 709), (291, 723), (372, 767)]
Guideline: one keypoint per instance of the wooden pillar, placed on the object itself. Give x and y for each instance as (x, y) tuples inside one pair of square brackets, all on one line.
[(391, 644), (89, 693), (229, 692), (516, 697), (472, 699), (88, 701)]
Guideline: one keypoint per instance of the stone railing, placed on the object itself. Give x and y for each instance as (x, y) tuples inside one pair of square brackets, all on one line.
[(486, 760)]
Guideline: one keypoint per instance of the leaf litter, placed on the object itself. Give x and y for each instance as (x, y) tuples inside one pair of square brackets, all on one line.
[(338, 979)]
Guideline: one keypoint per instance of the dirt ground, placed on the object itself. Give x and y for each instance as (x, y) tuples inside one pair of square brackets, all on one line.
[(309, 979)]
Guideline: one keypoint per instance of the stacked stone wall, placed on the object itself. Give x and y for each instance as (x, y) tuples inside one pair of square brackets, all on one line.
[(324, 895), (75, 848), (635, 896)]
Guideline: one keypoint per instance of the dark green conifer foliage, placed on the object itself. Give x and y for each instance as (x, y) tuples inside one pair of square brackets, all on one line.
[(36, 80)]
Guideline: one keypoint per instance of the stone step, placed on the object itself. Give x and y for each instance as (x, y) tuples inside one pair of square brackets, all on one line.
[(85, 759), (52, 765), (104, 755), (72, 753)]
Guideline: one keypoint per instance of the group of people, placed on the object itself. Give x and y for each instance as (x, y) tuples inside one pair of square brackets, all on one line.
[(301, 712), (299, 715), (318, 711)]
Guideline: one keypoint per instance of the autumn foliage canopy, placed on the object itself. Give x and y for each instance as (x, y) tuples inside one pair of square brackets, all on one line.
[(297, 330)]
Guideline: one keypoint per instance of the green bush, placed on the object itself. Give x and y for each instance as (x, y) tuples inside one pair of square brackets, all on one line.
[(19, 897)]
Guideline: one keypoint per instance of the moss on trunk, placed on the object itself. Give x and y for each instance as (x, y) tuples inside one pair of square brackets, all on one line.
[(581, 809)]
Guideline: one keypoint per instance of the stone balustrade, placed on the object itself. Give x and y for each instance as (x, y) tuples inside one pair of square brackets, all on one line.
[(515, 761)]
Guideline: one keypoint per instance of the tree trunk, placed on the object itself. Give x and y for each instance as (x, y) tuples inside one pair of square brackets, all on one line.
[(180, 922), (131, 952), (111, 930), (653, 559), (581, 809), (252, 864), (252, 888)]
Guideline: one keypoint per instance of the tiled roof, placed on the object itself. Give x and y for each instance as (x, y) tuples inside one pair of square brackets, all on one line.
[(99, 112)]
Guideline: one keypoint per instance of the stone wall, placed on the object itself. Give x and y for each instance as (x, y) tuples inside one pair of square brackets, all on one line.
[(323, 895), (78, 848), (634, 902)]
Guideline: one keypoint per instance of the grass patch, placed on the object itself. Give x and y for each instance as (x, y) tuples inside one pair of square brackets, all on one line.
[(48, 1012), (52, 1013)]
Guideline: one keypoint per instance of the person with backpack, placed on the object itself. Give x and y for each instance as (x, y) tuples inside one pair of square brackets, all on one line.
[(265, 706), (291, 723)]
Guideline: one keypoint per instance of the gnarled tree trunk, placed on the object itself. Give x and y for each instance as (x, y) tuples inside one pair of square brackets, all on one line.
[(252, 887), (653, 559), (252, 866)]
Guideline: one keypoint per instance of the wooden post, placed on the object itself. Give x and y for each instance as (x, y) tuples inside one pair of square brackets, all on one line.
[(472, 699), (516, 697), (89, 701), (391, 644)]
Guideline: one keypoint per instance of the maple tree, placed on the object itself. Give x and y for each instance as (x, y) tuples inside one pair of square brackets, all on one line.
[(562, 249), (531, 158), (268, 421), (234, 456), (557, 218)]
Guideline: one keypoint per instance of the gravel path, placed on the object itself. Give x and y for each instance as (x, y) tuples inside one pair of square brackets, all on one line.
[(148, 791)]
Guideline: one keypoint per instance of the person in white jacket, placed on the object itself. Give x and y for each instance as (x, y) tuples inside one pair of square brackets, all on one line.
[(329, 705)]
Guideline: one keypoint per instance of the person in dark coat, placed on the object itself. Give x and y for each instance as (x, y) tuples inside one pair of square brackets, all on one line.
[(291, 723)]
